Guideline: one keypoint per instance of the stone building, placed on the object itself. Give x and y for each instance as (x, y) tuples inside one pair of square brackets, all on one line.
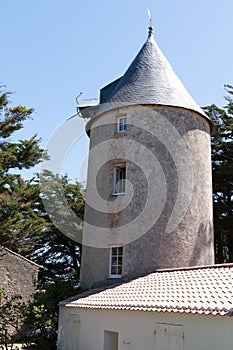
[(148, 234), (149, 187), (18, 275)]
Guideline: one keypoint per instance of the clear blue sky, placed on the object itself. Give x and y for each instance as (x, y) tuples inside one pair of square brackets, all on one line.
[(51, 50)]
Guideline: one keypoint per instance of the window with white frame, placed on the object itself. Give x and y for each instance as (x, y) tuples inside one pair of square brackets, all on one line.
[(116, 261), (121, 124), (119, 177)]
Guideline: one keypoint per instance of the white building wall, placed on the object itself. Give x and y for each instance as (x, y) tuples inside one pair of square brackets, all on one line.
[(84, 330)]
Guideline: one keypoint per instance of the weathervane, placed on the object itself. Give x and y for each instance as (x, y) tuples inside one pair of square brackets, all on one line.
[(150, 18)]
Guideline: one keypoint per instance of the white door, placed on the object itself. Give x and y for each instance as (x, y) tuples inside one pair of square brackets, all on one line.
[(73, 326), (110, 340), (168, 337)]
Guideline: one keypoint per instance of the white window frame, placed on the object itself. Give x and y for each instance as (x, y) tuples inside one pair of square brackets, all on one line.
[(121, 124), (119, 188), (115, 275)]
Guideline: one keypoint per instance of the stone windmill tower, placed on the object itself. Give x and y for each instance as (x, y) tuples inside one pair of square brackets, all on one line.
[(149, 191)]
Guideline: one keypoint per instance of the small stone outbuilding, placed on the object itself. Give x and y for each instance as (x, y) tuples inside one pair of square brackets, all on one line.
[(18, 275)]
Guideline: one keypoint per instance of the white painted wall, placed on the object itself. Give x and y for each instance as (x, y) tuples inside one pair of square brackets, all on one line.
[(110, 340), (137, 329)]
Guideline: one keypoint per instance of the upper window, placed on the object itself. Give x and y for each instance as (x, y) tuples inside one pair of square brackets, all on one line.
[(116, 260), (119, 177), (121, 124)]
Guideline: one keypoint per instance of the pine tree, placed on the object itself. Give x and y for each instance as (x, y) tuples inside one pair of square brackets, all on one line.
[(20, 222), (60, 248), (222, 165), (26, 227)]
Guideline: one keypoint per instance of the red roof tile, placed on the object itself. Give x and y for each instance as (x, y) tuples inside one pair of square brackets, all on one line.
[(202, 290)]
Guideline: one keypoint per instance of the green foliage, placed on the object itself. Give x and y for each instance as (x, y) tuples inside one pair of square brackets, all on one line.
[(57, 252), (26, 228), (21, 215), (222, 165), (44, 312), (13, 312), (19, 211), (34, 324)]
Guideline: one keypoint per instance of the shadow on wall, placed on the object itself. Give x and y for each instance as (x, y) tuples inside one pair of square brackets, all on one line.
[(201, 251)]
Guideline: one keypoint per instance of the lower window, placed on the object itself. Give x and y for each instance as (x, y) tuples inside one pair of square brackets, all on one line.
[(116, 261)]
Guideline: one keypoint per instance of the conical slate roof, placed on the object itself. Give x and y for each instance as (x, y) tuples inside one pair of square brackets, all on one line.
[(149, 79)]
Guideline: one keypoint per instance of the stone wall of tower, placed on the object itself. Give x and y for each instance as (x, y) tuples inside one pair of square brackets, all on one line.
[(164, 220)]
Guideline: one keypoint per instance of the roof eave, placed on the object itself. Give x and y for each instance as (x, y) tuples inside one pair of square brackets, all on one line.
[(98, 114)]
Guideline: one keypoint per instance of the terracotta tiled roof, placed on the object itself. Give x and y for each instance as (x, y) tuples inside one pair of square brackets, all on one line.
[(202, 290)]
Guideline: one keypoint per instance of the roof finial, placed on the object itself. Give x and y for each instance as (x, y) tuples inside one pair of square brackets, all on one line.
[(150, 27)]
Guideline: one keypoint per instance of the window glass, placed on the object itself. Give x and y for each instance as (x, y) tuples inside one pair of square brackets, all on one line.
[(116, 261), (113, 270), (114, 251), (119, 179), (121, 124)]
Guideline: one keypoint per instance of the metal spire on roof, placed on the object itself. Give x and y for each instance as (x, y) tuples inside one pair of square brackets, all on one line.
[(150, 32)]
